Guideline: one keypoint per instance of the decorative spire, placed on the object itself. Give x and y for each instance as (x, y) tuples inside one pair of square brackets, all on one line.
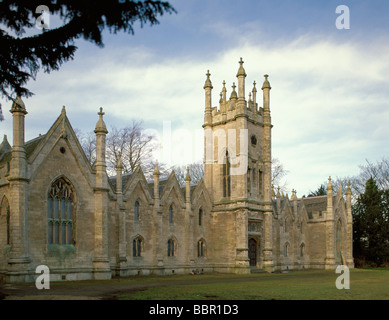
[(348, 190), (241, 71), (100, 125), (119, 163), (156, 169), (234, 95), (224, 91), (254, 88), (266, 83), (63, 128), (254, 93), (208, 83), (294, 197), (187, 178), (18, 105), (329, 185)]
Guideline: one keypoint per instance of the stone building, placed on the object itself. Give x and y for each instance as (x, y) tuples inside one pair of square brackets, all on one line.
[(58, 210)]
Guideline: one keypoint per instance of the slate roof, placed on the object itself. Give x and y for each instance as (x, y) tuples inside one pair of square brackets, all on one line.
[(29, 147)]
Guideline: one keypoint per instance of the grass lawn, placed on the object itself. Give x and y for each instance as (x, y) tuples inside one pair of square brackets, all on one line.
[(365, 284)]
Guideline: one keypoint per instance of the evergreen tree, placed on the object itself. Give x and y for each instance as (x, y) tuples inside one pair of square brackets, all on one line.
[(371, 224), (321, 191), (22, 56)]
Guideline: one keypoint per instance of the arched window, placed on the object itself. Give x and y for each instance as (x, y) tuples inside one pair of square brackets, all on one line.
[(226, 176), (171, 214), (60, 215), (338, 237), (5, 214), (200, 216), (201, 248), (136, 211), (286, 249), (286, 226), (137, 247), (170, 248), (302, 249)]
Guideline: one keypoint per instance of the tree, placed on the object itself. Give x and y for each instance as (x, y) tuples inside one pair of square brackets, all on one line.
[(196, 172), (371, 224), (321, 191), (88, 144), (22, 56), (132, 143), (278, 173)]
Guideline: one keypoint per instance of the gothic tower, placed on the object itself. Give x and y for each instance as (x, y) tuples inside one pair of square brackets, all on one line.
[(237, 156)]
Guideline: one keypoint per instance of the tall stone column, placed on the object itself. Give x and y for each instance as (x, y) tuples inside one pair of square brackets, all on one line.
[(122, 259), (329, 225), (159, 243), (349, 240), (18, 264), (101, 258), (268, 262)]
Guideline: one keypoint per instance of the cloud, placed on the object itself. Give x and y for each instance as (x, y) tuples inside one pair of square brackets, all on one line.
[(328, 99)]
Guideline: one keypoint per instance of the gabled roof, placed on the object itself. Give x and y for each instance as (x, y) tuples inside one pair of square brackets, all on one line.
[(318, 203), (29, 147)]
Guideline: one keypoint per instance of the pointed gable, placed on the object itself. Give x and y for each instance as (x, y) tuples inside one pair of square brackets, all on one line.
[(38, 149), (132, 180), (170, 186)]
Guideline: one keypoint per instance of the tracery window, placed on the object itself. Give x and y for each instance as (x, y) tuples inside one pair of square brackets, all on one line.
[(60, 213), (226, 176), (5, 211), (201, 248), (137, 247), (170, 248)]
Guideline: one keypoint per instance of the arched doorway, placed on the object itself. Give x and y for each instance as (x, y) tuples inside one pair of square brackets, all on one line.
[(253, 252), (338, 249)]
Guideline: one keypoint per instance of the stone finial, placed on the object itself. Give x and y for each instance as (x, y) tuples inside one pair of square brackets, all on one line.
[(18, 105), (63, 128), (266, 83), (241, 71), (187, 177), (294, 196), (156, 169), (100, 125), (278, 192), (224, 91), (234, 95), (119, 163), (348, 190), (254, 88), (208, 83), (329, 185)]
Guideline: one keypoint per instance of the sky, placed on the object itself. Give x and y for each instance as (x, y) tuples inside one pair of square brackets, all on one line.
[(329, 99)]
